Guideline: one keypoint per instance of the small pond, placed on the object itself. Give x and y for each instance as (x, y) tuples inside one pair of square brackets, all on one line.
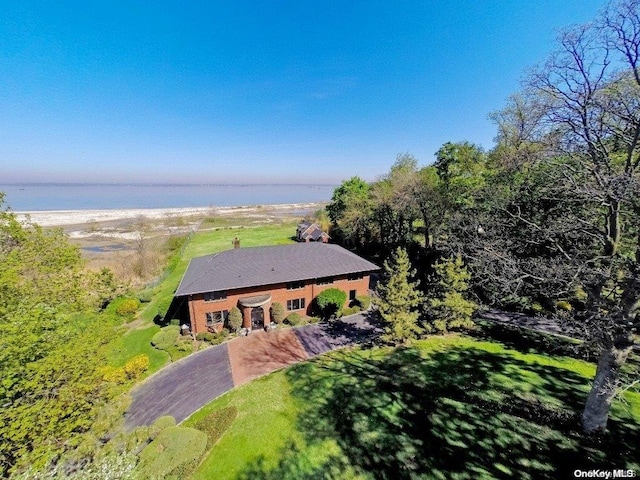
[(106, 248)]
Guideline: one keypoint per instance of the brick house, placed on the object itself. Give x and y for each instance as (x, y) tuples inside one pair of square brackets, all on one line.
[(252, 279), (311, 232)]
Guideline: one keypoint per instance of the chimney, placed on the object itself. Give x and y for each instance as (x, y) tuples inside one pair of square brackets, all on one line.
[(236, 243)]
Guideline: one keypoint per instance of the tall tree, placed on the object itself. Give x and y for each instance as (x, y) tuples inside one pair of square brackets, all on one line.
[(350, 210), (395, 206), (568, 218), (591, 88), (399, 299), (461, 168), (429, 202)]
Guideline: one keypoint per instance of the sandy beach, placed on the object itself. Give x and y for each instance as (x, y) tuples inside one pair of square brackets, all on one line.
[(59, 218)]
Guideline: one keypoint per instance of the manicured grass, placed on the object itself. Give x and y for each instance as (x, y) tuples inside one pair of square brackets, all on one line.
[(137, 342), (447, 407)]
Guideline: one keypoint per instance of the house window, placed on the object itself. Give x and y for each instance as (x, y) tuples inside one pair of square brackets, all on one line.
[(295, 304), (216, 317), (295, 285), (213, 296), (324, 281), (355, 276), (352, 295)]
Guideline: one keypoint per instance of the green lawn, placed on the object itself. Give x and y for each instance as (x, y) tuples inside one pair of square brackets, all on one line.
[(448, 407), (137, 341)]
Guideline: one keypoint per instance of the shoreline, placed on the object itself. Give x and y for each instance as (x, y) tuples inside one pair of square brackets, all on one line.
[(57, 218)]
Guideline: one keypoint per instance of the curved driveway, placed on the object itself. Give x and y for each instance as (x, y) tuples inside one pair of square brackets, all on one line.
[(187, 385)]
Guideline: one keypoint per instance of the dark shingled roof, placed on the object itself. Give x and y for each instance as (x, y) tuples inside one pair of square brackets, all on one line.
[(249, 267)]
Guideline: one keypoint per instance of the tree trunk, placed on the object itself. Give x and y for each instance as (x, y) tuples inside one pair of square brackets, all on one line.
[(605, 384), (427, 231), (612, 228)]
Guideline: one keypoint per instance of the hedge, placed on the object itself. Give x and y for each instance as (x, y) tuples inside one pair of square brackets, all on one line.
[(173, 447), (216, 423)]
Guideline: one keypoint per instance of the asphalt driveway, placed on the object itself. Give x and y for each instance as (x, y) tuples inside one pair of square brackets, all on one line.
[(187, 385)]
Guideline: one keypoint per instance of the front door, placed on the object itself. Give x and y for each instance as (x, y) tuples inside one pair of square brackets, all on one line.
[(257, 318)]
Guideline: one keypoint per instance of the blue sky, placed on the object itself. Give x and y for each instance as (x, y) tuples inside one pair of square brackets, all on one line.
[(269, 91)]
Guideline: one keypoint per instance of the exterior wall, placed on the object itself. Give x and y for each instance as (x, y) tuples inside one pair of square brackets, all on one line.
[(198, 308)]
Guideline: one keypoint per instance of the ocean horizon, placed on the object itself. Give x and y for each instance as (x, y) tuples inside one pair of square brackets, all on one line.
[(21, 197)]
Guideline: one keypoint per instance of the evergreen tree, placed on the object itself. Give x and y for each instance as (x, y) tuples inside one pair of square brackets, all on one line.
[(235, 319), (278, 313), (398, 299), (449, 309)]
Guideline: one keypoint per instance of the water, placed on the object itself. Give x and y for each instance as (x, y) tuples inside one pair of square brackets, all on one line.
[(43, 197)]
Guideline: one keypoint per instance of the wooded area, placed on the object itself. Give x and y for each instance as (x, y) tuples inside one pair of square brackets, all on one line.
[(547, 222)]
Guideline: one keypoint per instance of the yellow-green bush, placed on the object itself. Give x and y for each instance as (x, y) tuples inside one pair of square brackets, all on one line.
[(138, 364), (564, 305), (128, 307), (113, 374)]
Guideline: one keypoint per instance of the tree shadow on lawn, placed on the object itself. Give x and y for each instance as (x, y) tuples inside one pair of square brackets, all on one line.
[(530, 341), (459, 413)]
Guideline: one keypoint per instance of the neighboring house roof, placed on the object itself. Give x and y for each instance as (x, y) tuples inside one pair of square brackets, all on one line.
[(310, 230), (256, 266), (303, 226)]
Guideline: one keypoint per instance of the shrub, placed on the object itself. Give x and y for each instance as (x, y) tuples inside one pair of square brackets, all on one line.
[(536, 307), (145, 296), (277, 313), (138, 364), (349, 311), (355, 307), (330, 301), (160, 424), (235, 319), (564, 305), (219, 337), (113, 374), (204, 336), (294, 319), (364, 301), (173, 447), (184, 347), (166, 337), (127, 307)]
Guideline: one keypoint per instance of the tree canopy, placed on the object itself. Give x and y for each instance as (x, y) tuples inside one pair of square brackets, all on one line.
[(49, 392), (548, 221)]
